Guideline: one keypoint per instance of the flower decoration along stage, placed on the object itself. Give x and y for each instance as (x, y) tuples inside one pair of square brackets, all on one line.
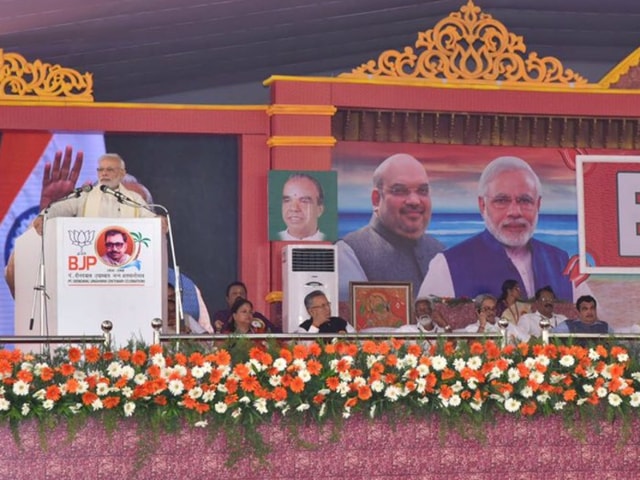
[(229, 388)]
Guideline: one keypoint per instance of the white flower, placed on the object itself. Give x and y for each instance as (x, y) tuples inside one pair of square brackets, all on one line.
[(256, 366), (221, 388), (410, 360), (197, 372), (246, 400), (201, 424), (260, 405), (83, 386), (20, 388), (179, 369), (28, 366), (459, 364), (593, 355), (455, 400), (614, 399), (423, 400), (343, 389), (127, 372), (472, 383), (48, 404), (346, 413), (304, 375), (559, 405), (474, 362), (392, 393), (275, 380), (302, 407), (208, 396), (4, 404), (323, 410), (536, 376), (127, 392), (623, 357), (102, 389), (75, 408), (280, 364), (299, 363), (543, 360), (423, 370), (113, 370), (543, 398), (636, 376), (220, 407), (359, 381), (567, 361), (377, 386), (530, 362), (40, 394), (236, 413), (587, 388), (513, 375), (158, 360), (97, 404), (176, 387), (457, 387), (601, 392), (634, 399), (79, 375), (129, 408), (438, 363), (25, 409), (195, 393), (527, 392), (512, 405), (140, 379), (476, 405)]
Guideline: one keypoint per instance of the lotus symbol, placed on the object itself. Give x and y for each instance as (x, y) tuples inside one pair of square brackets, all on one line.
[(81, 239)]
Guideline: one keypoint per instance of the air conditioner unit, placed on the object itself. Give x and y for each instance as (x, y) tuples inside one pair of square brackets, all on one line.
[(305, 269)]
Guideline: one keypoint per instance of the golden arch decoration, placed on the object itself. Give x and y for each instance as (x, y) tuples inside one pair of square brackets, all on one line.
[(469, 46), (24, 80)]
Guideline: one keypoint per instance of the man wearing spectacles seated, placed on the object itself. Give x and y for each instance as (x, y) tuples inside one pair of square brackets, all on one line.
[(486, 320), (509, 198), (321, 321)]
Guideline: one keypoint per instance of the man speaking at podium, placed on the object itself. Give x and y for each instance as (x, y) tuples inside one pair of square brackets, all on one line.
[(109, 198)]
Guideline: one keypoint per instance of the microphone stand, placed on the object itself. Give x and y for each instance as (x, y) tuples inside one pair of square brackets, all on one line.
[(172, 250)]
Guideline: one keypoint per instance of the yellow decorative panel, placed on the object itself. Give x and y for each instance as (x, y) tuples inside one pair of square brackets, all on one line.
[(469, 46), (23, 80)]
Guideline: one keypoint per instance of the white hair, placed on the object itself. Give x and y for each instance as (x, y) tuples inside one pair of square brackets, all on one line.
[(505, 164)]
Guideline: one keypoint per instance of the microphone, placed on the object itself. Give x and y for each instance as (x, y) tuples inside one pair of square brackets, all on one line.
[(120, 196), (75, 193)]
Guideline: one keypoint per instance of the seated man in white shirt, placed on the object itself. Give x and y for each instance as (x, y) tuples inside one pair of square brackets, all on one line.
[(487, 322), (321, 320), (529, 323)]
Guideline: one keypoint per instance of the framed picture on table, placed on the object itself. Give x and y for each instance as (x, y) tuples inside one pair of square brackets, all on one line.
[(380, 304)]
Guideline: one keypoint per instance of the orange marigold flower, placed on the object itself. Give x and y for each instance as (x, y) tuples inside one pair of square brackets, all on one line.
[(314, 349), (232, 385), (72, 385), (318, 399), (390, 378), (370, 347), (314, 367), (92, 354), (279, 394), (476, 348), (160, 400), (249, 384), (529, 408), (155, 349), (602, 351), (139, 358), (107, 356), (53, 393), (46, 374), (231, 399), (67, 369), (196, 358), (111, 402), (364, 392), (465, 395), (448, 374), (241, 370), (397, 343), (25, 376), (300, 351), (297, 385), (523, 348), (89, 397), (449, 348), (446, 391), (329, 349), (384, 348), (351, 402), (391, 360), (181, 358), (414, 349), (75, 354), (121, 383), (332, 383), (570, 395), (124, 354)]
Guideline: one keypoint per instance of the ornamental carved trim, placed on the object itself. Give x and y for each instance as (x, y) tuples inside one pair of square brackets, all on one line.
[(37, 80), (469, 46)]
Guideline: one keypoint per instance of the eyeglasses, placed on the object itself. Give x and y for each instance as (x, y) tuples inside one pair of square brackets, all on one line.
[(502, 202), (107, 169), (324, 305), (547, 300), (488, 309), (404, 191), (114, 244)]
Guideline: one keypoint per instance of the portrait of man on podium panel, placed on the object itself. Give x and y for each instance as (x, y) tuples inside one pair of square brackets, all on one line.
[(117, 248), (302, 206)]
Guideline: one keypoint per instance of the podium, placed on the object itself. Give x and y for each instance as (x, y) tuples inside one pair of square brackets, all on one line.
[(84, 285)]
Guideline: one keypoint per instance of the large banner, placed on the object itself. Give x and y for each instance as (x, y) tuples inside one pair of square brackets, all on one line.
[(475, 222)]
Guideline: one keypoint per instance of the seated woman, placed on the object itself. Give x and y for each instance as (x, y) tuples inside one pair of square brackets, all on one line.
[(242, 320), (509, 305)]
